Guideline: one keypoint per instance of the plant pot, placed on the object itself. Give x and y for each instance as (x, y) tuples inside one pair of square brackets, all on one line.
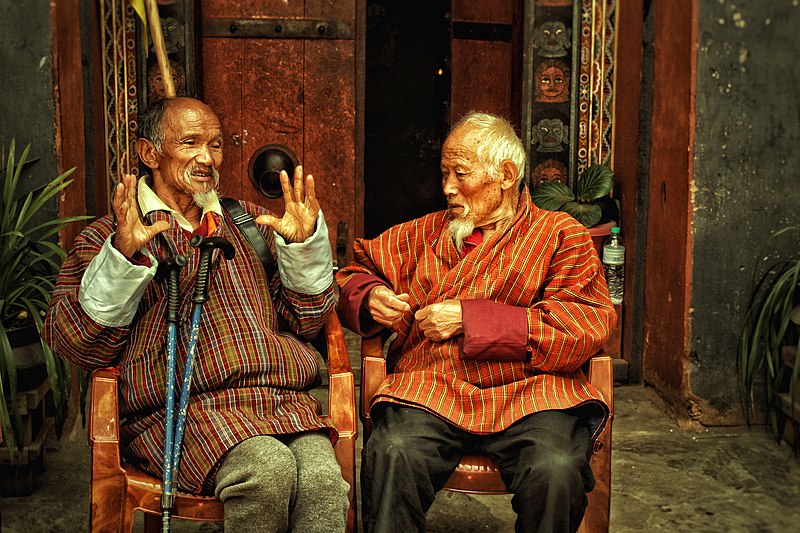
[(33, 398), (599, 234), (791, 413), (28, 356)]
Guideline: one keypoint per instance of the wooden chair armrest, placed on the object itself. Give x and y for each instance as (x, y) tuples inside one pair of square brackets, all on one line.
[(601, 375), (104, 407), (373, 372), (337, 358), (342, 409), (341, 385)]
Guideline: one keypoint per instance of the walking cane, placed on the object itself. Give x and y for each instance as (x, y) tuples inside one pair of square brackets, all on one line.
[(170, 267), (207, 245)]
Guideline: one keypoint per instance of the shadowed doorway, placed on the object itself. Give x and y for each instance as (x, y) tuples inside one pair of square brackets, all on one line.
[(407, 109)]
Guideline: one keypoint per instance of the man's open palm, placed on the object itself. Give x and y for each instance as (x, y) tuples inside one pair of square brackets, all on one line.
[(300, 215)]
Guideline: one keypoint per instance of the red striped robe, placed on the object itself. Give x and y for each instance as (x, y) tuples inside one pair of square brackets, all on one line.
[(249, 378), (545, 262)]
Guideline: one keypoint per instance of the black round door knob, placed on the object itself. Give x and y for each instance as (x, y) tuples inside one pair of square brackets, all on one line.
[(265, 168)]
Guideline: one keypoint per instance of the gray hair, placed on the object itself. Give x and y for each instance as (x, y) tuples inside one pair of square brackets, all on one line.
[(151, 123), (499, 141)]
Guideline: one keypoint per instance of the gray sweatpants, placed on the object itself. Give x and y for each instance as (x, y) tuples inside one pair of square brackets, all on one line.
[(271, 485)]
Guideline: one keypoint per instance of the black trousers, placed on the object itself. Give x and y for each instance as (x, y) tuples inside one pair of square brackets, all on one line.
[(543, 459)]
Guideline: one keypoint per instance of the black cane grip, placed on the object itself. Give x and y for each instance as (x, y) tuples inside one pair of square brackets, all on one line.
[(207, 245), (170, 268)]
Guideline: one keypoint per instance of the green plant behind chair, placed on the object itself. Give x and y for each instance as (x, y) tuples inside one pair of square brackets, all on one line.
[(30, 262), (589, 204), (774, 298)]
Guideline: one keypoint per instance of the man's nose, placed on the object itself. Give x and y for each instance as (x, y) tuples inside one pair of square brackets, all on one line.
[(449, 184), (204, 155)]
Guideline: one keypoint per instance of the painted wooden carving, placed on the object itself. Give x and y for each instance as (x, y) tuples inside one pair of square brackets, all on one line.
[(570, 108)]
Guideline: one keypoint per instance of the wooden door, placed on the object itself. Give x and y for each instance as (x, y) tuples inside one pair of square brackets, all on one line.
[(486, 58), (428, 63), (284, 73)]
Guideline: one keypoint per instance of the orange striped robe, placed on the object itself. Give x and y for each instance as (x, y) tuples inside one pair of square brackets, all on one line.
[(545, 262)]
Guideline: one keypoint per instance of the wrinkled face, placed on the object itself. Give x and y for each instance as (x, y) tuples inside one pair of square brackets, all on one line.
[(472, 193), (192, 148)]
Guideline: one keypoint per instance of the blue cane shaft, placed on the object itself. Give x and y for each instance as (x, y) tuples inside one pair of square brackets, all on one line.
[(171, 266), (169, 424), (186, 386)]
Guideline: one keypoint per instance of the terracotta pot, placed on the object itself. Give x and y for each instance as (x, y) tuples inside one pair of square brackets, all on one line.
[(599, 234)]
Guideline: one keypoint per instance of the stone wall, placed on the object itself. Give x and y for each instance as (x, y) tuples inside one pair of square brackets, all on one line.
[(746, 178)]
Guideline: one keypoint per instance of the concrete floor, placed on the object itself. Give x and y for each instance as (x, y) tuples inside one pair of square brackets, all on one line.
[(665, 477)]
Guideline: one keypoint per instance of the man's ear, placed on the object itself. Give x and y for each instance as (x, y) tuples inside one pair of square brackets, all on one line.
[(147, 152), (510, 174)]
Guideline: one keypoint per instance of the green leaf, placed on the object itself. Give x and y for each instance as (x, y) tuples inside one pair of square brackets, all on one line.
[(596, 181), (773, 297), (586, 214), (30, 260), (8, 374), (552, 195)]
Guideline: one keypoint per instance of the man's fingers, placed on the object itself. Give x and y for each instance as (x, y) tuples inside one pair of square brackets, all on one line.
[(286, 188), (267, 220), (157, 227), (130, 184), (298, 184), (310, 192)]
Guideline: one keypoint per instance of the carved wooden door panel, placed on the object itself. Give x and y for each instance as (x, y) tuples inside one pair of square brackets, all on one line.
[(284, 74)]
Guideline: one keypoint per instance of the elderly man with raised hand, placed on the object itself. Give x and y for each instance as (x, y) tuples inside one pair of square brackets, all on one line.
[(254, 436), (496, 305)]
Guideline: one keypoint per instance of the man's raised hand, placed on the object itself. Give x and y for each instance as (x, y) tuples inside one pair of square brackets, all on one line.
[(132, 235), (300, 215)]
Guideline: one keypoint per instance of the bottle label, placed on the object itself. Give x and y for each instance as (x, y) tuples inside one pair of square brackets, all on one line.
[(613, 255)]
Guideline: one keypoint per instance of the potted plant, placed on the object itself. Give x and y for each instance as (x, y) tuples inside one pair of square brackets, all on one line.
[(590, 203), (30, 266), (769, 341)]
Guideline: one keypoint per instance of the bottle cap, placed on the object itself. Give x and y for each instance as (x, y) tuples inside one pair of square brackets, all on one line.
[(615, 229)]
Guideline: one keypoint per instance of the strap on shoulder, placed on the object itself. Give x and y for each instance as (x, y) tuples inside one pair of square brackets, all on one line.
[(244, 221)]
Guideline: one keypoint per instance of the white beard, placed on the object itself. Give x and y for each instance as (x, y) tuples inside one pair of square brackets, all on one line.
[(203, 199), (460, 228)]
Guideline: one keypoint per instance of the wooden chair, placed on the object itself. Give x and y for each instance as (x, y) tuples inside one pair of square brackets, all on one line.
[(479, 474), (119, 489)]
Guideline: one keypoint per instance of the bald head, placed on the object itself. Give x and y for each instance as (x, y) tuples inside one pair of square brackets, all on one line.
[(152, 121)]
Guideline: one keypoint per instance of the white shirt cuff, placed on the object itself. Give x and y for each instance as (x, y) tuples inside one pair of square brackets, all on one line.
[(112, 287), (306, 267)]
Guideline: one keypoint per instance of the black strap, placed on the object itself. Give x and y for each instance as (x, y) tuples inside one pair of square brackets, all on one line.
[(244, 221)]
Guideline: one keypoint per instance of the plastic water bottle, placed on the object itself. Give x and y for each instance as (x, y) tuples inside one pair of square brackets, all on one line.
[(614, 265)]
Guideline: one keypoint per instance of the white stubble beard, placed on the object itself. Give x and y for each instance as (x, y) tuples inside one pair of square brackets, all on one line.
[(460, 228), (205, 198)]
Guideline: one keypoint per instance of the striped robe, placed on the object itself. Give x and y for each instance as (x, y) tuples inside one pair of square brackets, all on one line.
[(250, 377), (545, 262)]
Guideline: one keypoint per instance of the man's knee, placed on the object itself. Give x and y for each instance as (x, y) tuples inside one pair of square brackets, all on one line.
[(390, 448), (257, 465), (555, 471)]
